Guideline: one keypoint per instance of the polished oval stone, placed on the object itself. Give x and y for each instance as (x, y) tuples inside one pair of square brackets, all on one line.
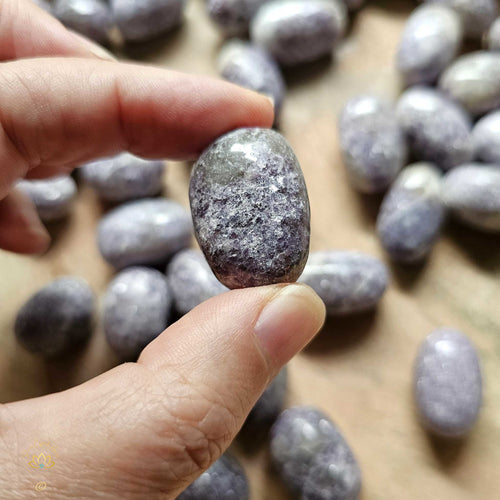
[(53, 197), (225, 480), (191, 280), (372, 143), (142, 20), (57, 318), (43, 4), (486, 137), (492, 39), (472, 193), (348, 282), (250, 209), (137, 308), (296, 32), (250, 66), (124, 177), (233, 16), (412, 214), (437, 129), (431, 39), (473, 80), (448, 383), (147, 232)]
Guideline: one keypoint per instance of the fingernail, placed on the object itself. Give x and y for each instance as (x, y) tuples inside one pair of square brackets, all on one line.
[(93, 48), (289, 321), (270, 99)]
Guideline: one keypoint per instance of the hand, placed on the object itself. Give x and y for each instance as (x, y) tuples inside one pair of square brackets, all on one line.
[(145, 429)]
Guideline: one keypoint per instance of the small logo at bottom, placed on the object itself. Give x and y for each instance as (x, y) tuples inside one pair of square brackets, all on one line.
[(40, 486)]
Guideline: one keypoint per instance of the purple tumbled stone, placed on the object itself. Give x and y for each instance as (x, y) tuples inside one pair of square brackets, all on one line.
[(492, 39), (348, 282), (411, 215), (144, 232), (57, 318), (372, 143), (486, 138), (225, 480), (250, 209), (448, 383)]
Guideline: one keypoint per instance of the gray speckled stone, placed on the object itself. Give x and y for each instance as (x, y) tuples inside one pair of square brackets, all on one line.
[(473, 80), (147, 232), (472, 193), (250, 66), (438, 130), (431, 39), (348, 282), (225, 480), (486, 138), (57, 318), (191, 280), (142, 20), (372, 143), (124, 177), (411, 215), (296, 32), (53, 198), (492, 38), (448, 383), (91, 18), (233, 16), (250, 209), (137, 308)]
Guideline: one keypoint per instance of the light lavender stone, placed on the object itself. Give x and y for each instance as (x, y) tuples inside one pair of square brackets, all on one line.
[(124, 177), (411, 215), (472, 193), (225, 480), (43, 4), (448, 383), (486, 137), (437, 129), (296, 32), (137, 308), (473, 80), (57, 318), (250, 209), (91, 18), (492, 38), (191, 280), (431, 39), (53, 198), (142, 20), (372, 143), (144, 232), (348, 282), (250, 66)]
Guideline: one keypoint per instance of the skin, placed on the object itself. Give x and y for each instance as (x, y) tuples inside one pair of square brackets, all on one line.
[(175, 411)]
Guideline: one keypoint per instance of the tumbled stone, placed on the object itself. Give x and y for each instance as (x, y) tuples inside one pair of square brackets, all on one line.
[(411, 215), (146, 232), (233, 16), (91, 18), (472, 193), (142, 20), (492, 39), (448, 383), (43, 4), (191, 280), (348, 282), (372, 143), (249, 66), (250, 209), (57, 318), (437, 129), (486, 138), (225, 480), (53, 198), (137, 308), (296, 32), (473, 80), (124, 177), (431, 39)]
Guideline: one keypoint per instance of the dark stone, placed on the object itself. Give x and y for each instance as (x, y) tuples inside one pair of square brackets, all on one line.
[(233, 16)]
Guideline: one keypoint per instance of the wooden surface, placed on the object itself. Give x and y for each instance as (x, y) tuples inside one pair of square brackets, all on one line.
[(358, 369)]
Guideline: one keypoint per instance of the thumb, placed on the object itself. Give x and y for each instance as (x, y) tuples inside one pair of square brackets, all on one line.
[(148, 429)]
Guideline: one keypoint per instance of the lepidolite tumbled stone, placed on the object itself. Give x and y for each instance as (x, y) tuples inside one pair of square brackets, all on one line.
[(57, 318), (492, 39), (233, 16), (348, 282), (144, 232), (225, 480), (486, 138), (448, 383), (250, 209), (137, 308)]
